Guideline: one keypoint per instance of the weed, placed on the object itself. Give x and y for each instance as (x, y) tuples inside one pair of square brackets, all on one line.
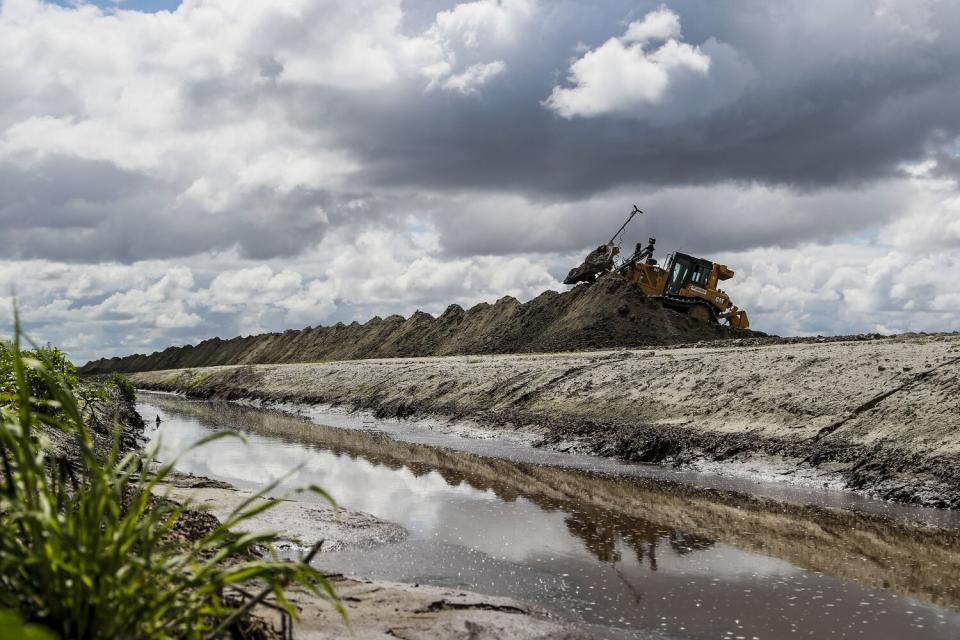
[(11, 626), (85, 546), (55, 361), (122, 383)]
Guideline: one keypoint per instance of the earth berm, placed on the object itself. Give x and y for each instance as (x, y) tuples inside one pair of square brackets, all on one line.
[(610, 313)]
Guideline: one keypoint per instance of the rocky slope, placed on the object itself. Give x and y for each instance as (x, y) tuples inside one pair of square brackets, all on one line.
[(610, 313)]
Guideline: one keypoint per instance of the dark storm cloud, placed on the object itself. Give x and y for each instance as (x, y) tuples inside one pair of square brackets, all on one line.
[(61, 192), (89, 210), (835, 96), (261, 166), (804, 96), (727, 217)]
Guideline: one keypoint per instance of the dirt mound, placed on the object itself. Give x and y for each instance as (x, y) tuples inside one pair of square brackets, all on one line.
[(611, 313)]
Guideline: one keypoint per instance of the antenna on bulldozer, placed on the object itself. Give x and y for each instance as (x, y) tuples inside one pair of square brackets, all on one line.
[(635, 211)]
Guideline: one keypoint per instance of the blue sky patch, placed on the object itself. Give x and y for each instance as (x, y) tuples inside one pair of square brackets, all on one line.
[(150, 6)]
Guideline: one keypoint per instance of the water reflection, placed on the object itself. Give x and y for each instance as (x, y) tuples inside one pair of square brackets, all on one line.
[(393, 481), (616, 552)]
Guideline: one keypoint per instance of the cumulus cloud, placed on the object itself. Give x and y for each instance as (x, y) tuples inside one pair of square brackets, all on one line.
[(238, 287), (827, 289), (474, 77), (105, 309), (472, 32), (472, 24), (233, 167), (194, 113), (935, 221), (662, 24), (725, 217), (621, 75)]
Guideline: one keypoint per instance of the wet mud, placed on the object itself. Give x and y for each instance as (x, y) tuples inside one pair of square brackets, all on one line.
[(302, 524), (883, 414), (613, 515)]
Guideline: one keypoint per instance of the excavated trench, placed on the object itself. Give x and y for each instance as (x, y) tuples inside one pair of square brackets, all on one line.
[(613, 550), (881, 414), (615, 554)]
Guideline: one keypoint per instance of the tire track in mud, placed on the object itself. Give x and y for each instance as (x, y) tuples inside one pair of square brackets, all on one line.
[(528, 395), (877, 399)]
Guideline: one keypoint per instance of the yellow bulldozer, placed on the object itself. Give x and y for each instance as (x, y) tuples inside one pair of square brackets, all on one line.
[(685, 284)]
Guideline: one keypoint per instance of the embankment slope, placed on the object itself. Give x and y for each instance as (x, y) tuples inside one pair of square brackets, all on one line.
[(610, 313), (884, 413)]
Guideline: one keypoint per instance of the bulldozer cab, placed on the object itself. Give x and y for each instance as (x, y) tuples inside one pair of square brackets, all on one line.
[(684, 269)]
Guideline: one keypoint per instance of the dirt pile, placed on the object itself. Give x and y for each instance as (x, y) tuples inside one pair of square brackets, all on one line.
[(610, 313)]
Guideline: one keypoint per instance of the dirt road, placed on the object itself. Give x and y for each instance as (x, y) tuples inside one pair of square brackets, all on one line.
[(883, 413)]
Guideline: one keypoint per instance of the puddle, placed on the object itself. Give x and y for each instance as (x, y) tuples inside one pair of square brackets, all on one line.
[(621, 556)]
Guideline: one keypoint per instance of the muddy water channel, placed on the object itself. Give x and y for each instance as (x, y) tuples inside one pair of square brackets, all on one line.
[(617, 555)]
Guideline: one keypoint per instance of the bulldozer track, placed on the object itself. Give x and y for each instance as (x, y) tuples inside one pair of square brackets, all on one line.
[(686, 305)]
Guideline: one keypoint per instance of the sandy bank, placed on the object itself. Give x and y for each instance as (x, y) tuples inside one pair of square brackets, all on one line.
[(884, 413), (388, 610), (303, 523), (376, 609)]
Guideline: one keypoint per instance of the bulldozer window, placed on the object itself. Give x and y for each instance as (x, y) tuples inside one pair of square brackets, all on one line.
[(677, 276), (700, 276)]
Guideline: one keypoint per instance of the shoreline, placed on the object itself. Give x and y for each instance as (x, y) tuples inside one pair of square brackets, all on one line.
[(868, 548), (375, 608), (759, 477)]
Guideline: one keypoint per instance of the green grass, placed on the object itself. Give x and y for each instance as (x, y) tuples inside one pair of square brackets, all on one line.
[(123, 385), (86, 550)]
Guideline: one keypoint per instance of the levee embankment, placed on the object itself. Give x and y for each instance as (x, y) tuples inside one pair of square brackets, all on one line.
[(882, 413), (611, 313)]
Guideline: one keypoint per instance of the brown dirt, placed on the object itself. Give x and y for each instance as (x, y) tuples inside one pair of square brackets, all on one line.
[(103, 416), (609, 313)]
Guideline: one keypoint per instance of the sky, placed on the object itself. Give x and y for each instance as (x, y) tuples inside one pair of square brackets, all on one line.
[(172, 171)]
